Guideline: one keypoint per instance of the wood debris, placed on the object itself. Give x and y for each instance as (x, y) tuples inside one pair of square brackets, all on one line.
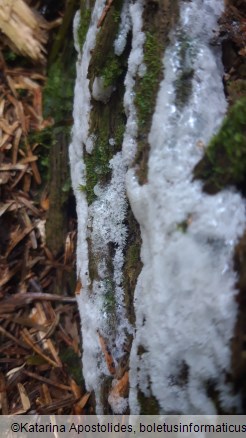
[(26, 30), (39, 329)]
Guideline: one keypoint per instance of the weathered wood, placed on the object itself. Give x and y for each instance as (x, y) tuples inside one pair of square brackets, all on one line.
[(27, 30)]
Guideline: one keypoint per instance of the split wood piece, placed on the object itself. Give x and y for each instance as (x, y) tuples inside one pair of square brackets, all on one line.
[(28, 31), (7, 275), (34, 166), (18, 300), (16, 143), (3, 396), (76, 389), (104, 13), (78, 287), (7, 128), (5, 207), (4, 140), (27, 182), (17, 236), (24, 321), (29, 204), (4, 177), (14, 339), (8, 167), (65, 337), (46, 393), (121, 388), (19, 112), (81, 403), (11, 85), (69, 247), (46, 380), (26, 404), (71, 327), (56, 406), (2, 105), (28, 339), (38, 315), (107, 355), (28, 224), (21, 174)]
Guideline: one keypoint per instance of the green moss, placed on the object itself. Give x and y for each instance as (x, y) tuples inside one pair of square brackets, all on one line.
[(73, 362), (109, 298), (103, 56), (58, 93), (183, 83), (183, 87), (85, 17), (146, 92), (236, 89), (148, 85), (82, 188), (224, 162), (111, 71), (108, 122), (148, 405), (133, 265)]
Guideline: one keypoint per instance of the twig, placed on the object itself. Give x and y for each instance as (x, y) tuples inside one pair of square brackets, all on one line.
[(48, 381), (104, 13), (19, 300)]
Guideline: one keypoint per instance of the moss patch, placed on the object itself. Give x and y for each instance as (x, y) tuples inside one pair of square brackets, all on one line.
[(224, 162), (148, 405), (73, 362), (58, 91), (104, 62), (145, 90), (183, 83), (133, 264), (236, 90), (111, 71), (107, 122), (158, 18), (85, 17)]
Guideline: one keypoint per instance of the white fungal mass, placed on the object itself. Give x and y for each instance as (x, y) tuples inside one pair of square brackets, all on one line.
[(185, 295)]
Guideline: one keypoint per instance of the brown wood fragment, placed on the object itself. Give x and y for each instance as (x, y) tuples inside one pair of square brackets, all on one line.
[(121, 388), (26, 404), (46, 380), (28, 339), (82, 402), (107, 355), (3, 396), (19, 300)]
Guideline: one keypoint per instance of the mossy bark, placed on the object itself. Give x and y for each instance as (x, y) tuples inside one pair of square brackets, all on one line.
[(58, 98), (224, 162), (107, 121)]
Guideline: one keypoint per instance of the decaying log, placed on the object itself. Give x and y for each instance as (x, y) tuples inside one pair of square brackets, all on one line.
[(26, 29)]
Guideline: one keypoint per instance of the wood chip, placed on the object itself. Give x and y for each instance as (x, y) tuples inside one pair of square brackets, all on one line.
[(28, 339), (107, 355), (46, 380), (121, 388), (82, 402)]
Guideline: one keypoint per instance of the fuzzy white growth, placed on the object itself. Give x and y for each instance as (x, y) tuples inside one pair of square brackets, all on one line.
[(100, 92), (106, 221), (80, 133), (125, 26), (103, 221), (134, 62), (117, 403), (185, 295)]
